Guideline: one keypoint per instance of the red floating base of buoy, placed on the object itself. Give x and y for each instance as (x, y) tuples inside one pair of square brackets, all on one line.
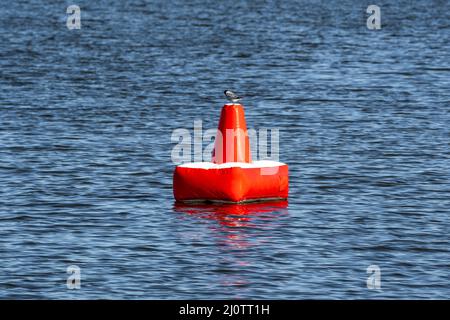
[(231, 182)]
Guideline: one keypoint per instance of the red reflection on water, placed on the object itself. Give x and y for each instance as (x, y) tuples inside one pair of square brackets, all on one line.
[(233, 215), (240, 228)]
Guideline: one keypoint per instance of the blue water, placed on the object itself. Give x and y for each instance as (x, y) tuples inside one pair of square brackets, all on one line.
[(86, 118)]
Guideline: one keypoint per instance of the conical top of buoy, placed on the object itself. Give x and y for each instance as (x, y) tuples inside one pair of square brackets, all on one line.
[(232, 143)]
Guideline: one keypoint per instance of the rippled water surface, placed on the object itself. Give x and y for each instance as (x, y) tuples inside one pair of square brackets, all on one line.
[(86, 118)]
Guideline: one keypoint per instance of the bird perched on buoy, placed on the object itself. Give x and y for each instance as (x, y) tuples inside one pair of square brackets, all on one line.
[(232, 96), (232, 176)]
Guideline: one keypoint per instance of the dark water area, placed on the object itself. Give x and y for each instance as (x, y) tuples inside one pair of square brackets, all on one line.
[(86, 118)]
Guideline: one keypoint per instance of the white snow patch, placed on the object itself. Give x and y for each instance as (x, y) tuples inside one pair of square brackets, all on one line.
[(254, 164)]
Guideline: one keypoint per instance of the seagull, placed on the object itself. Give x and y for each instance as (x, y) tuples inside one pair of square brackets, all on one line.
[(232, 96)]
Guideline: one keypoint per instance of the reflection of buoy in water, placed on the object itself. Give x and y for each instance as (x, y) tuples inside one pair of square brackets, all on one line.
[(252, 209), (231, 176), (234, 215)]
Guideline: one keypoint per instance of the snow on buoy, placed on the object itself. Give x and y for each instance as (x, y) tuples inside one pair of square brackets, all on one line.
[(231, 176)]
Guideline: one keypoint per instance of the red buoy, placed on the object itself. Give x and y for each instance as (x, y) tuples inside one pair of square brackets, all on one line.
[(232, 176)]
